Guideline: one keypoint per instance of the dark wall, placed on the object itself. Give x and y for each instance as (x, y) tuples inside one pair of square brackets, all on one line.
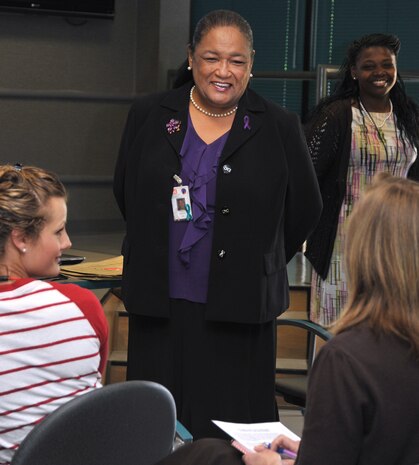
[(65, 90)]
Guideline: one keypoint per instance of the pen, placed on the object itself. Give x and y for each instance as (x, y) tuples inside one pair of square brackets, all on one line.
[(281, 450)]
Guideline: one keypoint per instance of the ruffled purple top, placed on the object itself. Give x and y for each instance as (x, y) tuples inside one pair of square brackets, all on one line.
[(190, 241)]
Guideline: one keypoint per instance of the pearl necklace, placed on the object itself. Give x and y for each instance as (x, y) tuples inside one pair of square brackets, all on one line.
[(372, 120), (205, 112)]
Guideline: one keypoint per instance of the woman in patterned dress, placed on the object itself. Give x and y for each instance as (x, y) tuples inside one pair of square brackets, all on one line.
[(368, 125)]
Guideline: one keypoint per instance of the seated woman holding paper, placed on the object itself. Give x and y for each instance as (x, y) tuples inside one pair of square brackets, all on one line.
[(363, 396), (53, 337)]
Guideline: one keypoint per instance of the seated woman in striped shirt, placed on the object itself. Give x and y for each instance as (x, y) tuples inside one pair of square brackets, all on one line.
[(53, 337)]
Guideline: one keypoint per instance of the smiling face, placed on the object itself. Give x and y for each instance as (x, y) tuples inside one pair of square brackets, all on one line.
[(43, 253), (221, 64), (376, 72)]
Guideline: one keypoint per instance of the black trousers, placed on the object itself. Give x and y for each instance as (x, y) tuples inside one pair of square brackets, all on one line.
[(215, 370)]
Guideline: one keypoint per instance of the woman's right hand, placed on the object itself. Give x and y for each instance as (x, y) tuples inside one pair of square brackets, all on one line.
[(286, 443), (269, 456)]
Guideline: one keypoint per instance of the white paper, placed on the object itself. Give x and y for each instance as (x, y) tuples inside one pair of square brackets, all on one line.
[(252, 434)]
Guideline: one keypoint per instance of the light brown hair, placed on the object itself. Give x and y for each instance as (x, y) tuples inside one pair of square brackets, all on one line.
[(24, 191), (382, 260)]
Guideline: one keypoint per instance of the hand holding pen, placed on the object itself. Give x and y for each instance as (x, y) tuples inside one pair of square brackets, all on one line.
[(288, 448), (285, 453), (281, 451)]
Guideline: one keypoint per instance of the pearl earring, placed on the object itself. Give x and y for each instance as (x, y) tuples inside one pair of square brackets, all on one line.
[(189, 68), (251, 75), (24, 250), (354, 78)]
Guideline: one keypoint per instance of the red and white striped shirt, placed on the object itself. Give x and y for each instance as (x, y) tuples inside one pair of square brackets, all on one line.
[(53, 347)]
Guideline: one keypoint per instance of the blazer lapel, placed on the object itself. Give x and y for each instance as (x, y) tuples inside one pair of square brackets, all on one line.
[(246, 124), (174, 120), (248, 120)]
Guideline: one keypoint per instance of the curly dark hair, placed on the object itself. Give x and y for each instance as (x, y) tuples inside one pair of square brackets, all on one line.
[(406, 110)]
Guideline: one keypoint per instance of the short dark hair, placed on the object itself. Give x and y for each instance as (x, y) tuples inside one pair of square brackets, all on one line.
[(213, 19), (221, 18)]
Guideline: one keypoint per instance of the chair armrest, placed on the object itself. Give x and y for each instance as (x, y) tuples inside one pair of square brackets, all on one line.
[(182, 433), (307, 325)]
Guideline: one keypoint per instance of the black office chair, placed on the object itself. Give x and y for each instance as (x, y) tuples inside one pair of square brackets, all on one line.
[(293, 388), (129, 423)]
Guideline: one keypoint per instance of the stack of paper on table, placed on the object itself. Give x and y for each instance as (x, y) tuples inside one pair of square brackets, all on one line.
[(251, 434), (111, 268)]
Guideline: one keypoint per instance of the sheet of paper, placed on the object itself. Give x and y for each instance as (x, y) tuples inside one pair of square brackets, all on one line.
[(252, 434)]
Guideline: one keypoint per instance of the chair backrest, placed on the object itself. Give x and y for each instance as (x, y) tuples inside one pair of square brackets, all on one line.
[(294, 388), (314, 331), (127, 423)]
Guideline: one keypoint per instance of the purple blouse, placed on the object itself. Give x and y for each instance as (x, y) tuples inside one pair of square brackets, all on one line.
[(190, 241)]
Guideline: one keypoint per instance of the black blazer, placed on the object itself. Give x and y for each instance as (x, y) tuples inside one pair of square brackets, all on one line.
[(267, 202)]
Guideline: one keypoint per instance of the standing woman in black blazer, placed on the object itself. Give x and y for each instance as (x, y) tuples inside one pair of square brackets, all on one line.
[(218, 193)]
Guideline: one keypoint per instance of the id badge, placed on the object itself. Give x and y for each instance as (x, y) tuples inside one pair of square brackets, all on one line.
[(181, 204)]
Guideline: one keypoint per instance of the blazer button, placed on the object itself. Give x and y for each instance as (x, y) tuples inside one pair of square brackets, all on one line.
[(225, 211), (226, 169), (221, 253)]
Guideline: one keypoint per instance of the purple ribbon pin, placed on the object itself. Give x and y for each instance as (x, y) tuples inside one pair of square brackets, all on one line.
[(246, 121)]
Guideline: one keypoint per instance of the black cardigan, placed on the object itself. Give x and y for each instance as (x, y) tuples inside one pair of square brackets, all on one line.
[(329, 142)]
